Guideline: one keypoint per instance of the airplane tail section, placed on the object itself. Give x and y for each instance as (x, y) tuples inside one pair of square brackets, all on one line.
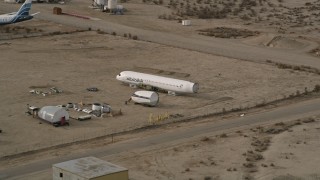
[(25, 8)]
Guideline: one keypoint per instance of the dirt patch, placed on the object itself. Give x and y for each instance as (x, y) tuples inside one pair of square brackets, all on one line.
[(75, 61)]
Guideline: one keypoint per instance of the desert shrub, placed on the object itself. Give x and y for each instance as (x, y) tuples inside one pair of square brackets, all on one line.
[(297, 68), (224, 135), (308, 4), (224, 32), (253, 12), (100, 32), (7, 30), (248, 3), (162, 16), (316, 88), (262, 10), (245, 17)]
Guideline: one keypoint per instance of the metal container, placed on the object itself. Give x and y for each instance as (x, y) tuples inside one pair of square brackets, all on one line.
[(149, 98), (69, 105), (106, 108), (96, 107), (112, 4)]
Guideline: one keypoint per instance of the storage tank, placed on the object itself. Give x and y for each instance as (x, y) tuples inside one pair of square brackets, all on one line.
[(112, 4), (96, 107), (54, 115), (149, 98)]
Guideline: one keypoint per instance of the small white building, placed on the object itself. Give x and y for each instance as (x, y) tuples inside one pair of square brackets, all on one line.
[(89, 168), (53, 114), (186, 22)]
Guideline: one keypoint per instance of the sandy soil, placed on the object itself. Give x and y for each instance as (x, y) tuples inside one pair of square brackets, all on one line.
[(290, 154), (73, 62), (286, 150), (58, 56)]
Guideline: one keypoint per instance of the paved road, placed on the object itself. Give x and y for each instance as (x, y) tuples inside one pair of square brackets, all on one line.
[(291, 112), (223, 47)]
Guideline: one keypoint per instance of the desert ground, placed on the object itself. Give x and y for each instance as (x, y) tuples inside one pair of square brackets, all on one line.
[(43, 53)]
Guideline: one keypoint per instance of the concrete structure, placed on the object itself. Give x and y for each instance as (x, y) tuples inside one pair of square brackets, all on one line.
[(88, 168)]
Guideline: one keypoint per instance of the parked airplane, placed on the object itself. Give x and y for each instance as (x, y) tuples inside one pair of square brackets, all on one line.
[(21, 15), (171, 85)]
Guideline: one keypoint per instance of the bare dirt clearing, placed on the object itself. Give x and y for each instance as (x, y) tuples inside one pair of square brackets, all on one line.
[(41, 54), (289, 153), (73, 62), (285, 150)]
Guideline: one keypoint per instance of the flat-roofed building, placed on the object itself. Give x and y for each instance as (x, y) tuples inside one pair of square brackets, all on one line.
[(89, 168)]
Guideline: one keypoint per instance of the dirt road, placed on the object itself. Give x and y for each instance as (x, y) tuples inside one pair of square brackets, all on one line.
[(222, 47)]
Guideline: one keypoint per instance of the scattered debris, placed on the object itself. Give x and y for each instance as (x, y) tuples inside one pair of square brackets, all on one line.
[(87, 111), (82, 118), (55, 90), (32, 110), (92, 89), (45, 93)]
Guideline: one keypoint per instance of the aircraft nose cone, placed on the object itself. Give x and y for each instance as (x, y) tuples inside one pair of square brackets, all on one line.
[(118, 77)]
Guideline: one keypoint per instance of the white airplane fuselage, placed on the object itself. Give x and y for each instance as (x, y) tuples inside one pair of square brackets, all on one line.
[(21, 15), (12, 18), (169, 84)]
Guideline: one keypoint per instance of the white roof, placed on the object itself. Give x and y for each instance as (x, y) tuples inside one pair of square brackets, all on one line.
[(53, 113), (89, 167)]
